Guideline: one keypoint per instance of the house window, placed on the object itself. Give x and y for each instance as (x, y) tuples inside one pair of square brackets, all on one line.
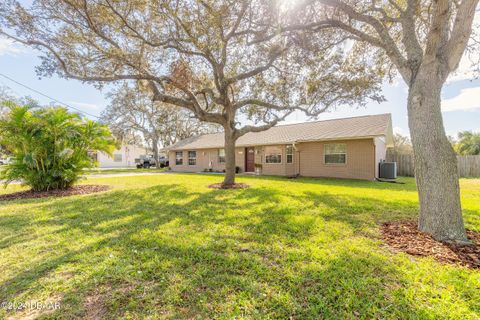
[(336, 153), (117, 157), (221, 155), (289, 153), (179, 158), (192, 158), (273, 154)]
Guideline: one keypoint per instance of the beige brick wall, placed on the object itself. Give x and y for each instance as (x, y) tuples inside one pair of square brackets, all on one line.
[(308, 161), (275, 169), (360, 162), (204, 158)]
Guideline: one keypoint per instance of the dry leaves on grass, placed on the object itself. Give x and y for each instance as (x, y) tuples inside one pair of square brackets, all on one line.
[(405, 237), (95, 304), (75, 190)]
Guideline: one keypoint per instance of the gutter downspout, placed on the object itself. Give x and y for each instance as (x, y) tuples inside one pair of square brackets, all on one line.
[(296, 165)]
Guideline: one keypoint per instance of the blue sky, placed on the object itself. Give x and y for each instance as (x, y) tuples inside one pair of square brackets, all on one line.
[(460, 97)]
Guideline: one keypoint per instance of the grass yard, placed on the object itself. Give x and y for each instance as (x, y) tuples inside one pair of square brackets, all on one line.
[(168, 247), (122, 170)]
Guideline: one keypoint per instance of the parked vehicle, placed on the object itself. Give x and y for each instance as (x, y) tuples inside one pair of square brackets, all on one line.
[(145, 161), (148, 161), (163, 162), (5, 160)]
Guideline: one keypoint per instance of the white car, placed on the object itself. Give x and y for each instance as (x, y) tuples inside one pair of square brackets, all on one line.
[(5, 160)]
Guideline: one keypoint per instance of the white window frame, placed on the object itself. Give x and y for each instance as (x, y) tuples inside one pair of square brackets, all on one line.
[(289, 154), (115, 157), (221, 159), (270, 154), (192, 158), (177, 158), (334, 163)]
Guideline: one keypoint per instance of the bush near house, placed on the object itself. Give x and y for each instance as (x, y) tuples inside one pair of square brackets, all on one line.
[(50, 146)]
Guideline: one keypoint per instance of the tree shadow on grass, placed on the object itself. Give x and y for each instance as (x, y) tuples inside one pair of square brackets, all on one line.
[(360, 212), (120, 215), (167, 251), (362, 284), (404, 183)]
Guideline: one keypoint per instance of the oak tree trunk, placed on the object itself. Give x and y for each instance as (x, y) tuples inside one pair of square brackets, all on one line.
[(155, 152), (230, 140), (435, 160)]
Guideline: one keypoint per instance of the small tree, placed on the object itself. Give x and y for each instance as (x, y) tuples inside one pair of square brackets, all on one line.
[(209, 57), (5, 96), (50, 146), (468, 143), (401, 144), (131, 110), (125, 135)]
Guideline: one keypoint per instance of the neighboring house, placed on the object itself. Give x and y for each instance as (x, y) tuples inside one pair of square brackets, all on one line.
[(340, 148), (122, 158)]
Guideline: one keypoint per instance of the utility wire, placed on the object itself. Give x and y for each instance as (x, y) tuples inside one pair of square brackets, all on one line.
[(46, 96)]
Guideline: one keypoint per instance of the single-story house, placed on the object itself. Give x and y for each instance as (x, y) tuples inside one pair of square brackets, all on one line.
[(122, 158), (340, 148)]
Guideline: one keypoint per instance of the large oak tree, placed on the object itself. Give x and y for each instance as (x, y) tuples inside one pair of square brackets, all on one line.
[(210, 57), (132, 110), (423, 41)]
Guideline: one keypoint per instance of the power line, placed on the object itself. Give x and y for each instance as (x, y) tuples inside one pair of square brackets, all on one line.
[(46, 96)]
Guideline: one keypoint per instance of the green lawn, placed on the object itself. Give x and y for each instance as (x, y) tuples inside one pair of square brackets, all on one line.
[(168, 247)]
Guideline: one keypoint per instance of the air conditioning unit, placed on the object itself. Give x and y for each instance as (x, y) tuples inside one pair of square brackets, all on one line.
[(387, 170)]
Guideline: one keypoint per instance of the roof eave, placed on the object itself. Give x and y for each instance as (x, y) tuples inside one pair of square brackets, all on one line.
[(278, 143)]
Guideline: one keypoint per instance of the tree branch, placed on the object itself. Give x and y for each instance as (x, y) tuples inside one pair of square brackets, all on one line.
[(384, 39), (462, 29), (274, 56), (186, 104), (245, 129)]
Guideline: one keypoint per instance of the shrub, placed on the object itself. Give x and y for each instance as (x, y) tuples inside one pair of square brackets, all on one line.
[(50, 146)]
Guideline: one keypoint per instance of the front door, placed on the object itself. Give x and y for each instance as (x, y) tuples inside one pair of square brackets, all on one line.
[(249, 159)]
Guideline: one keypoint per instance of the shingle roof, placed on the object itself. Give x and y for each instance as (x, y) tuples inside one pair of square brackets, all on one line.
[(337, 129)]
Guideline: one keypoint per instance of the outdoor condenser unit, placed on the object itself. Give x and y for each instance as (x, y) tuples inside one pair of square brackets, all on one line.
[(387, 170)]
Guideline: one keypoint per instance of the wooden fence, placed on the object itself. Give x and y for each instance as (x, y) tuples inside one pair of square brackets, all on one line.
[(468, 166)]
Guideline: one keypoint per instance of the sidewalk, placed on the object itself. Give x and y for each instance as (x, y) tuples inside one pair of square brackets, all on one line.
[(107, 175)]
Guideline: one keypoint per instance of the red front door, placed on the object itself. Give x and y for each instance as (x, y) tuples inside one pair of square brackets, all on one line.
[(249, 159)]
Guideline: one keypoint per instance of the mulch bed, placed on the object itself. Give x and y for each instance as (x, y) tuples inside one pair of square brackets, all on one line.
[(75, 190), (405, 237), (234, 186)]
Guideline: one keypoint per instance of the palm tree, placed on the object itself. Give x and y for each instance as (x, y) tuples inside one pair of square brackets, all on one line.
[(50, 146), (468, 143)]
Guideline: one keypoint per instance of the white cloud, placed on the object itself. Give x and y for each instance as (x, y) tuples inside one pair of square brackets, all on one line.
[(467, 100), (452, 133), (9, 47), (401, 131)]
